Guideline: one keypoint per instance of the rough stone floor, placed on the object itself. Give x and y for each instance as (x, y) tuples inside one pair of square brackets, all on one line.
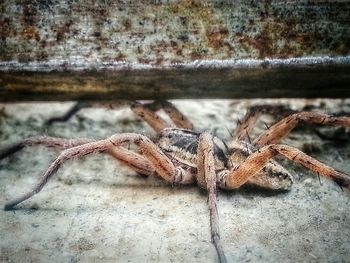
[(96, 210)]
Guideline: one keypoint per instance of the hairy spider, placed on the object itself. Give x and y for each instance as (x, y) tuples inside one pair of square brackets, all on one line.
[(182, 156)]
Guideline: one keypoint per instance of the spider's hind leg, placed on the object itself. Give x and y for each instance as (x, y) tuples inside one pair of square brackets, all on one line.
[(70, 113), (253, 114), (148, 112), (282, 128), (83, 105), (179, 119)]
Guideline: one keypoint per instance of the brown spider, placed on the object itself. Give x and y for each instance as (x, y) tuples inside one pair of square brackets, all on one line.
[(182, 156)]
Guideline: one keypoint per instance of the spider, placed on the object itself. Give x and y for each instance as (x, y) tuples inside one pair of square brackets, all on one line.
[(182, 156)]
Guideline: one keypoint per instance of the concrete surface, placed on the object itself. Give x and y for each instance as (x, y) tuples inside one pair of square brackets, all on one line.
[(95, 210)]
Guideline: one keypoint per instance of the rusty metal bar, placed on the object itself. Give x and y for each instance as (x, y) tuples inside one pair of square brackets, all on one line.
[(70, 50)]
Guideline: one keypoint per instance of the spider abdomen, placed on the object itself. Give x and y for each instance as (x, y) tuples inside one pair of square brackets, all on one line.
[(272, 176)]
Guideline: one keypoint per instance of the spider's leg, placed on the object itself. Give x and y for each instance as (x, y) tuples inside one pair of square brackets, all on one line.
[(70, 113), (45, 141), (150, 116), (247, 124), (206, 177), (160, 162), (282, 128), (129, 158), (257, 161), (178, 118), (84, 104), (148, 112), (133, 160)]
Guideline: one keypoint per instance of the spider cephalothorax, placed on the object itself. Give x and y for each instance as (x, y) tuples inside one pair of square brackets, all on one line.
[(182, 145), (181, 156)]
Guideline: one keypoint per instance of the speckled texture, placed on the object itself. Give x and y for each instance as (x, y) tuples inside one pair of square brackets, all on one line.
[(161, 33), (95, 210)]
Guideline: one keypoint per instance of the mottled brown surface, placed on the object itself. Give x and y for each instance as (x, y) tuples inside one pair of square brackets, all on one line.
[(165, 32)]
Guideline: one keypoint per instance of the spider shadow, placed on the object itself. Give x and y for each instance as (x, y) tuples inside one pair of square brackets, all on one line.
[(251, 191), (149, 184)]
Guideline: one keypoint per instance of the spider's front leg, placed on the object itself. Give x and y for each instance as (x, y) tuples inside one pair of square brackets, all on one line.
[(161, 164), (258, 160), (134, 160), (206, 177), (44, 141)]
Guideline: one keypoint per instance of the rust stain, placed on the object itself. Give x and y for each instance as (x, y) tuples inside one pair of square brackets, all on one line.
[(277, 40), (31, 32), (29, 15), (194, 19), (342, 48), (62, 30), (127, 24), (217, 37), (159, 61), (121, 57), (143, 60), (100, 12), (5, 29), (29, 18), (43, 43), (198, 53), (286, 38)]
